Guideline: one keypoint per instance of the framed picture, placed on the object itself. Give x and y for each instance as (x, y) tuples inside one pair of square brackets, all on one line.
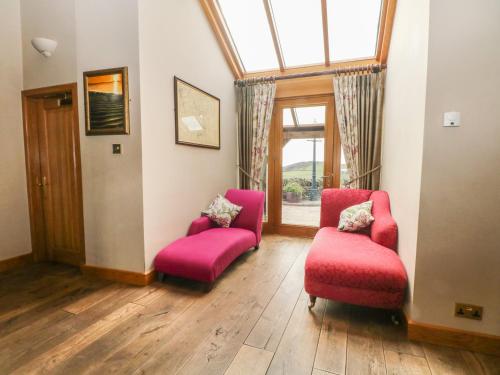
[(106, 101), (197, 116)]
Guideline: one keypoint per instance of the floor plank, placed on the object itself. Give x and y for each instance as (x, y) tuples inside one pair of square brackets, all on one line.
[(320, 372), (161, 308), (57, 354), (394, 338), (296, 351), (250, 360), (365, 354), (34, 343), (54, 320), (243, 307), (93, 299), (447, 361), (489, 364), (332, 345), (190, 336), (400, 363), (270, 327)]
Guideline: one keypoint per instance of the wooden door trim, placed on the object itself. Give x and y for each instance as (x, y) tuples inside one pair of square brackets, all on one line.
[(332, 160), (38, 248)]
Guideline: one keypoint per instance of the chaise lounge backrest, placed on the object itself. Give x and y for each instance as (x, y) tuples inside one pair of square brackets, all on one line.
[(251, 215), (383, 230)]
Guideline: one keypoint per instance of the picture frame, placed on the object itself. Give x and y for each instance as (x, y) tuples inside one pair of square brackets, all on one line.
[(106, 101), (197, 116)]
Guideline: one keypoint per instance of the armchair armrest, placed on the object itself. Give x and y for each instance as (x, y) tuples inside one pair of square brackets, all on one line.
[(199, 225), (384, 229)]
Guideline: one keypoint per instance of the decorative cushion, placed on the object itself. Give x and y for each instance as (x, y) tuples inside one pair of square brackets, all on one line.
[(222, 211), (356, 217)]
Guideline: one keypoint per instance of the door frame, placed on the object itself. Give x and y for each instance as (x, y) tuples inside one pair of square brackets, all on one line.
[(38, 244), (331, 163)]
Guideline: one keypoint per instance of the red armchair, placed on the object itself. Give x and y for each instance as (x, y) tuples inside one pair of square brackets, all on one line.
[(208, 250), (357, 268)]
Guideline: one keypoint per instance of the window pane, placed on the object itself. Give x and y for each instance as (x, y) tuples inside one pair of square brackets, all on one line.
[(311, 115), (247, 23), (287, 117), (353, 28), (300, 31)]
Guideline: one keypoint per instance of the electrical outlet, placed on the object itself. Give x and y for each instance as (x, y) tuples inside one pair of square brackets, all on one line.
[(464, 310)]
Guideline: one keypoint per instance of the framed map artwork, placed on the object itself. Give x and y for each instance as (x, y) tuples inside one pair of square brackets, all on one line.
[(197, 116)]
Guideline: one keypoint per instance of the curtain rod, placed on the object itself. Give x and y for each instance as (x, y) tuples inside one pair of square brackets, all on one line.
[(375, 68)]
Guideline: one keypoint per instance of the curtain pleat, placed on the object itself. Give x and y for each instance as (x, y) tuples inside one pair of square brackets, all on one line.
[(255, 108), (359, 102)]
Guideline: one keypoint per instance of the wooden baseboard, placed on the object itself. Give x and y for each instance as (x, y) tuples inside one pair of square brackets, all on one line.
[(290, 230), (127, 277), (456, 338), (21, 260)]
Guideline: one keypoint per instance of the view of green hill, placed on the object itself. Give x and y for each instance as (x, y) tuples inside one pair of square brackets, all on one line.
[(302, 169)]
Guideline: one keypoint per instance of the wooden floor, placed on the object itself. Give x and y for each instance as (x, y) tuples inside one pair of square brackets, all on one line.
[(255, 321)]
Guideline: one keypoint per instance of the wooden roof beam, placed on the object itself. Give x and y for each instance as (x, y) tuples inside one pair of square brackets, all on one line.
[(215, 20), (326, 41), (274, 33)]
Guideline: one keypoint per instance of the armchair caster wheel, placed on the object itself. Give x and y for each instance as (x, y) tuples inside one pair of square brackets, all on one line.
[(312, 302), (395, 319)]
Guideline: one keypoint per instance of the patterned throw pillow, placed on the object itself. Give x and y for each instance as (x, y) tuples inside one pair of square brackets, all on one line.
[(357, 217), (222, 211)]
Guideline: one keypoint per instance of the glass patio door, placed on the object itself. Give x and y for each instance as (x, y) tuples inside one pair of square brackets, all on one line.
[(304, 159)]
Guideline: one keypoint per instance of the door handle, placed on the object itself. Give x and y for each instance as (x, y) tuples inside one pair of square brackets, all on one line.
[(41, 184)]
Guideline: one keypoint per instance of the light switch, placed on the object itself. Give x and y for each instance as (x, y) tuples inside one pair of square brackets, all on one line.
[(117, 148), (451, 119)]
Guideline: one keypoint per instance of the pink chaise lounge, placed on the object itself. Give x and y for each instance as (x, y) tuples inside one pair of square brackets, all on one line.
[(208, 250), (357, 268)]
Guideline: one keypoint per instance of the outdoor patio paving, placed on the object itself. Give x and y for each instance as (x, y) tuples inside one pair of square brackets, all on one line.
[(301, 214)]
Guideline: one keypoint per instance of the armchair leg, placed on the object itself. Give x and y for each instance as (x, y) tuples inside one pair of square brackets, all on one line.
[(209, 287), (161, 276), (312, 302), (256, 248)]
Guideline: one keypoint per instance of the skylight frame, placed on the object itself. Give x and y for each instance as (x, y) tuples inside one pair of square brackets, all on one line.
[(223, 35)]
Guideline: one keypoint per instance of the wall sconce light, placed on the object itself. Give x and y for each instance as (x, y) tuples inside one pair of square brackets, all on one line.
[(45, 46)]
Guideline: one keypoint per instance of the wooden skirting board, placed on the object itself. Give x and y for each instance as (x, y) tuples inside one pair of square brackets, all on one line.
[(21, 260), (127, 277), (456, 338)]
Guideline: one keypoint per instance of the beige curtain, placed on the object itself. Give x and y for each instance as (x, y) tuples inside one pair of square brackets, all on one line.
[(358, 101), (255, 108)]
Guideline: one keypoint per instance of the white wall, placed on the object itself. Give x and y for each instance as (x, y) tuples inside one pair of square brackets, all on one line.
[(404, 124), (54, 19), (179, 181), (95, 35), (14, 219), (107, 37), (458, 257)]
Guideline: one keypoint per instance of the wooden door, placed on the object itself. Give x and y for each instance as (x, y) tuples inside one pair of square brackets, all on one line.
[(291, 130), (54, 176)]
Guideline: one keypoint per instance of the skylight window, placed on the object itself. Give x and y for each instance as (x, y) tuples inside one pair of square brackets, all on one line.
[(260, 37), (300, 31), (247, 23), (353, 28)]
